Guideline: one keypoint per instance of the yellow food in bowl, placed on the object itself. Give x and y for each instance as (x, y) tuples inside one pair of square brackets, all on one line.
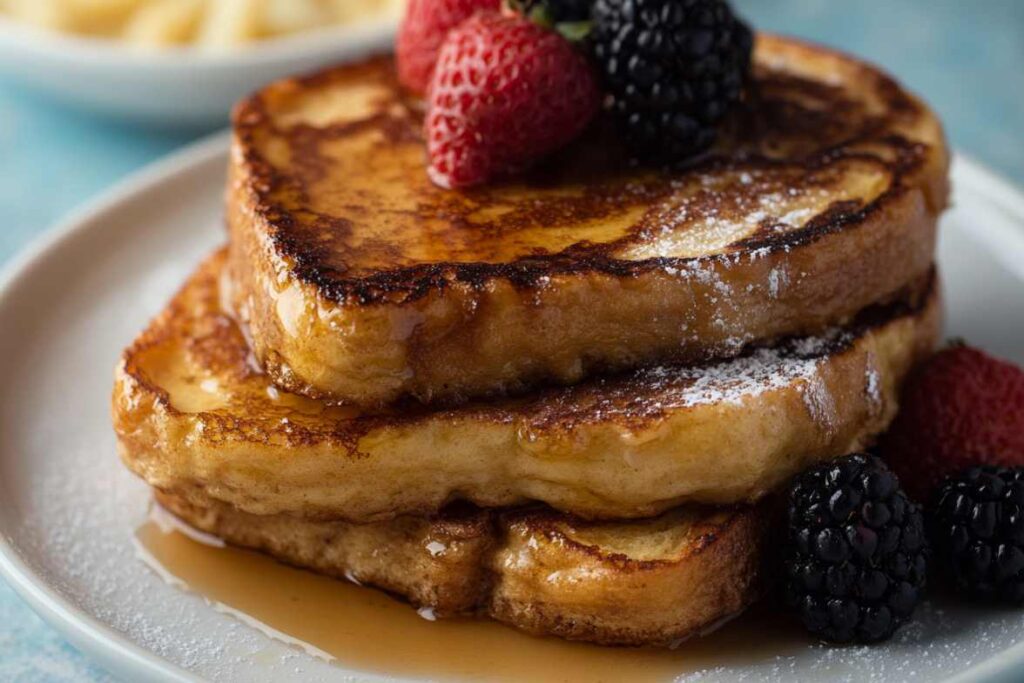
[(209, 24)]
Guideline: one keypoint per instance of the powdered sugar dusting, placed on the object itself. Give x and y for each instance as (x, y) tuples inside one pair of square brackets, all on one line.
[(656, 391), (820, 404), (873, 383), (778, 278), (727, 208), (734, 381)]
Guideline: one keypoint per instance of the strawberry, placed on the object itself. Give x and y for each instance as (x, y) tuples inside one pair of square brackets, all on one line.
[(963, 408), (505, 92), (423, 29)]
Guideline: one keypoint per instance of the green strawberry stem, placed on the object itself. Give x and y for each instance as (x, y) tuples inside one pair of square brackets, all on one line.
[(573, 31)]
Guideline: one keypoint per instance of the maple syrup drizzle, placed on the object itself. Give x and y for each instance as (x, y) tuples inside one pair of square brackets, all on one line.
[(365, 629)]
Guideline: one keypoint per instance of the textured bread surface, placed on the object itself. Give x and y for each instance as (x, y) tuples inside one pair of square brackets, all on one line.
[(642, 582), (195, 416), (362, 282)]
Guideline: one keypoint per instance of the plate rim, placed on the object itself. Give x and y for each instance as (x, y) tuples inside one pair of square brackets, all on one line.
[(98, 640), (113, 650), (1008, 664)]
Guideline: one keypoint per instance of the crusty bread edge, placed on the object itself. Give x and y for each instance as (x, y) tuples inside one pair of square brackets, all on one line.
[(501, 564)]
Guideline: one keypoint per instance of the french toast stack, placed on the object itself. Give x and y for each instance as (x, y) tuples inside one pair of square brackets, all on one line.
[(562, 401)]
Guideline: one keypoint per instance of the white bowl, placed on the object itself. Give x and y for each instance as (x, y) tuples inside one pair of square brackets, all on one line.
[(183, 87)]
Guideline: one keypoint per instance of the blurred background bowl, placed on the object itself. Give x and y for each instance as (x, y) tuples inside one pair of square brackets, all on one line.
[(179, 87)]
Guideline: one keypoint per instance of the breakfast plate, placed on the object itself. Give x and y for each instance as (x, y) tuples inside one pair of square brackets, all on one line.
[(69, 510), (176, 87)]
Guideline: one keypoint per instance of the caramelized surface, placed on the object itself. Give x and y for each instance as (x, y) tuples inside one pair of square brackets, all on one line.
[(339, 163), (360, 282), (195, 416)]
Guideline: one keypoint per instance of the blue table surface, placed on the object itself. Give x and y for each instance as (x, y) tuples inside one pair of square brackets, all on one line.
[(966, 58)]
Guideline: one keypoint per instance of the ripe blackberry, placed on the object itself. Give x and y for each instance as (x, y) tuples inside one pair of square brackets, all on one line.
[(977, 530), (673, 69), (555, 11), (855, 557)]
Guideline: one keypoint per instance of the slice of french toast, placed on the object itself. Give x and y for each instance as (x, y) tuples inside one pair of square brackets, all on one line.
[(641, 582), (196, 417), (363, 282)]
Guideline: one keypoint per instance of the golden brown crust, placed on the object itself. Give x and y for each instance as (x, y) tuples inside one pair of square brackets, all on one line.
[(645, 582), (195, 416), (362, 282)]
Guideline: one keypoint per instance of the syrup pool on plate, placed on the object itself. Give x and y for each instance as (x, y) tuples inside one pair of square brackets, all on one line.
[(363, 628)]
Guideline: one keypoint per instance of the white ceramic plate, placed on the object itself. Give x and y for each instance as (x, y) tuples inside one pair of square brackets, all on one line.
[(175, 87), (68, 508)]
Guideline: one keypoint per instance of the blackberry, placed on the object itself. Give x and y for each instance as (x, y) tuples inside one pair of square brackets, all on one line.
[(673, 69), (555, 11), (977, 530), (855, 557)]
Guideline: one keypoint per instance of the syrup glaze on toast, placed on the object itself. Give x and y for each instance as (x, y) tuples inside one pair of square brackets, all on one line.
[(362, 282), (645, 582), (195, 416)]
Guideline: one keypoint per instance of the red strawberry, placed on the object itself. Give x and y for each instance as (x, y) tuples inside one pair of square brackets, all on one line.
[(505, 92), (962, 408), (423, 29)]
